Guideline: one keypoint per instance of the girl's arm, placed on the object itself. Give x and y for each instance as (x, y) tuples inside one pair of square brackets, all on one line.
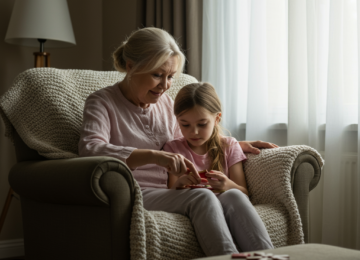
[(236, 179), (236, 174)]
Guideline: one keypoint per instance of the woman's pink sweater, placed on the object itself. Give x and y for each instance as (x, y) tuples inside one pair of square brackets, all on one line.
[(113, 126)]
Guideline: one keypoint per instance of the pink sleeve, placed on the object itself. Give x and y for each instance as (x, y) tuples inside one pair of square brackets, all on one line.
[(234, 153), (95, 132), (167, 148)]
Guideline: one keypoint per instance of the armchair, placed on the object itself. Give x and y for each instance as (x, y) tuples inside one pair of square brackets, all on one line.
[(82, 208)]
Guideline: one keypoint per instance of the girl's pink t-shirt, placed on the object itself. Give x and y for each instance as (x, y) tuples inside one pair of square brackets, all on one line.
[(113, 126), (233, 153)]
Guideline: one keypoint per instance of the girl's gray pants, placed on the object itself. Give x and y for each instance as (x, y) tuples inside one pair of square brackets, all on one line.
[(218, 220)]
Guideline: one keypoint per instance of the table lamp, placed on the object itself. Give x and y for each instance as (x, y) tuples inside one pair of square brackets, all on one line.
[(32, 23), (36, 22)]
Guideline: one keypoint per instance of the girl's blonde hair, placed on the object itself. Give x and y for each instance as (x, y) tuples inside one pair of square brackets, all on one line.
[(204, 95), (148, 49)]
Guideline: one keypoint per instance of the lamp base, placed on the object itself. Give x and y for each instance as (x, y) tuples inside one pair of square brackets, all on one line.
[(42, 59)]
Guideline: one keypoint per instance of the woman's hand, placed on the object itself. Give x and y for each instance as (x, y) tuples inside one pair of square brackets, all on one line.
[(252, 146), (176, 164), (220, 181)]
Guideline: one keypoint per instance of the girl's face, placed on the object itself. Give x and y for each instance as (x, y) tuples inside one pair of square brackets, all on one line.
[(197, 125), (147, 88)]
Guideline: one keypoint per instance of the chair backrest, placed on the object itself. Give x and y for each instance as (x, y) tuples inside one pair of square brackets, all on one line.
[(44, 109)]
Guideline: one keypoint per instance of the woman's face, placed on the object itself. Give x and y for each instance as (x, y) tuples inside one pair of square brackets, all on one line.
[(147, 88)]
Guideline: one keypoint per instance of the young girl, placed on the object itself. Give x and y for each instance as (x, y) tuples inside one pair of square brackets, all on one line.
[(198, 111)]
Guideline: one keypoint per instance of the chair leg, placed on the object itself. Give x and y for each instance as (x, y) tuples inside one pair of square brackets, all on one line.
[(6, 208)]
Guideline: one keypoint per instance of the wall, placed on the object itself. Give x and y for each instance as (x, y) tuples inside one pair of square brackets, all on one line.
[(119, 20), (87, 54)]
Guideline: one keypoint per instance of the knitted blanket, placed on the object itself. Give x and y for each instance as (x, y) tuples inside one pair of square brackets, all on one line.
[(161, 235), (45, 106), (268, 176)]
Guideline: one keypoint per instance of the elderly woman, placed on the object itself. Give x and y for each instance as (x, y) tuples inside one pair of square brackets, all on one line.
[(133, 119)]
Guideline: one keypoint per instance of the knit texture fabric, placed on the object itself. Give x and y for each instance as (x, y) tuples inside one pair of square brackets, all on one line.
[(45, 106), (268, 176), (161, 235)]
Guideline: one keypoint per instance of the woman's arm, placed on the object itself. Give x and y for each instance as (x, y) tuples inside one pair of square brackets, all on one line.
[(95, 141), (252, 146), (175, 164), (95, 132), (172, 180), (140, 157)]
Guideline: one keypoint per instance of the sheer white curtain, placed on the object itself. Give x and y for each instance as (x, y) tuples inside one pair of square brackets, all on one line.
[(287, 72)]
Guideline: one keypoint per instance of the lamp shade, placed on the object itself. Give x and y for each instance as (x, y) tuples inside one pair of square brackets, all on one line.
[(40, 19)]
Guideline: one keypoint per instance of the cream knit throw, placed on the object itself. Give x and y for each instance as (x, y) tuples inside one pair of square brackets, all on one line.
[(268, 176), (45, 107)]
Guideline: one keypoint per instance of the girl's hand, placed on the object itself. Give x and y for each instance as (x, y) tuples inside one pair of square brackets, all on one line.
[(220, 181), (185, 180), (252, 146), (176, 164)]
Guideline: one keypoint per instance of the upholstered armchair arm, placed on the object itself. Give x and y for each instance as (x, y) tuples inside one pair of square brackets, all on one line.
[(284, 176), (75, 202), (305, 175), (79, 181)]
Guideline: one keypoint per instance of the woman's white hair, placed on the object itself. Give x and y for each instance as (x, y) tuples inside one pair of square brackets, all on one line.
[(148, 49)]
